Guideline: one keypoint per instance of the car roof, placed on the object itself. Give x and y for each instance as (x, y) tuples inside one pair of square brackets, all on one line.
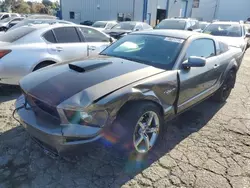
[(135, 22), (106, 21), (225, 22), (46, 27), (182, 34), (182, 19)]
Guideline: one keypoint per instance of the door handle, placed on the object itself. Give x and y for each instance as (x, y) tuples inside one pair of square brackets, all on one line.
[(216, 66), (59, 49), (92, 48)]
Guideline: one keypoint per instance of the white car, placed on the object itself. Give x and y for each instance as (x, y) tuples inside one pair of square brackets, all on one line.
[(4, 15), (29, 22), (30, 48), (5, 23), (232, 33), (104, 25)]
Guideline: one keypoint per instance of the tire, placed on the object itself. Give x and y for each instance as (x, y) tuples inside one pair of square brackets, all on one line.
[(225, 90), (128, 132), (42, 65)]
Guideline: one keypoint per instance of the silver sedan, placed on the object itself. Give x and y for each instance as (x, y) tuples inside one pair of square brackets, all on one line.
[(30, 48)]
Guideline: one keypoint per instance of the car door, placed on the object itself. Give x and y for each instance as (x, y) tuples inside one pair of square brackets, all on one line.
[(197, 83), (68, 45), (95, 40)]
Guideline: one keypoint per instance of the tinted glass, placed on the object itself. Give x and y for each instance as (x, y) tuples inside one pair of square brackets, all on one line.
[(125, 26), (196, 25), (110, 25), (66, 35), (6, 20), (5, 16), (99, 24), (91, 35), (201, 48), (172, 24), (49, 37), (203, 25), (16, 34), (142, 49), (230, 30)]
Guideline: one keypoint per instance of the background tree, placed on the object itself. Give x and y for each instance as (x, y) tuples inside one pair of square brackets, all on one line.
[(47, 3), (21, 6)]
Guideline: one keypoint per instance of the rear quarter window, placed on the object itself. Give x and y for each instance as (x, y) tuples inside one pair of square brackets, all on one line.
[(49, 36), (16, 34)]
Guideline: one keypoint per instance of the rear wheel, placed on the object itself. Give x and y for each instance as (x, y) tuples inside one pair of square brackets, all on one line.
[(224, 92), (138, 127)]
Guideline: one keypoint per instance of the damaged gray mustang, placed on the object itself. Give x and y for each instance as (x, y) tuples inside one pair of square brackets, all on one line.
[(123, 96)]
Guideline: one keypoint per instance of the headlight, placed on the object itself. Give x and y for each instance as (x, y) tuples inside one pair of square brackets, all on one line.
[(92, 119)]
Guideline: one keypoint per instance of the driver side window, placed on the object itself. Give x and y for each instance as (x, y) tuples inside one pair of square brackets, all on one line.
[(201, 48), (5, 16)]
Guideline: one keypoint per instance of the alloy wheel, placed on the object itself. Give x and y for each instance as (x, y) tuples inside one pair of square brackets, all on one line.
[(146, 132)]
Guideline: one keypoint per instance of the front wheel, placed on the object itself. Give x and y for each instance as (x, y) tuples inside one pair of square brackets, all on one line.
[(139, 127), (225, 90)]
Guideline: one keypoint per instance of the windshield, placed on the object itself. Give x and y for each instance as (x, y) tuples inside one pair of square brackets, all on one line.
[(142, 49), (99, 24), (125, 26), (172, 24), (203, 25), (229, 30), (6, 20), (15, 35)]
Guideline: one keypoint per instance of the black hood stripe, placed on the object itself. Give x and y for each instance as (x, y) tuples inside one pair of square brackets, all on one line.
[(62, 86)]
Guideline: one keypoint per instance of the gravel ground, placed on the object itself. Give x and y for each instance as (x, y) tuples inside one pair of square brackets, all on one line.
[(207, 147)]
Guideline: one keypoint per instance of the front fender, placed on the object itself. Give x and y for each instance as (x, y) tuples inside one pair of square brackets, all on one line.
[(161, 89), (233, 65)]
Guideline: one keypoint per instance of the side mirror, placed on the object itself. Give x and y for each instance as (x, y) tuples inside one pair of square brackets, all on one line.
[(190, 29), (111, 40), (248, 35), (194, 61)]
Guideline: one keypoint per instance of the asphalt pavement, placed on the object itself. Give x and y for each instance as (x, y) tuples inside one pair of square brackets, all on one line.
[(207, 147)]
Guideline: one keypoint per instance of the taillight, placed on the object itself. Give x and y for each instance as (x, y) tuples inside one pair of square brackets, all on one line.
[(4, 53)]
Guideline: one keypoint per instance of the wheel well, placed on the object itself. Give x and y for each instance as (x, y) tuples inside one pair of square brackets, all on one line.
[(43, 64), (130, 104), (234, 69)]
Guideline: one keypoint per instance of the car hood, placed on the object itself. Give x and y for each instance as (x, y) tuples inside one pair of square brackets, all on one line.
[(3, 24), (232, 41), (85, 81)]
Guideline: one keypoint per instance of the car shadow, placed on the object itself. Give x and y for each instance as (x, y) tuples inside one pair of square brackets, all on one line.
[(100, 165), (8, 93)]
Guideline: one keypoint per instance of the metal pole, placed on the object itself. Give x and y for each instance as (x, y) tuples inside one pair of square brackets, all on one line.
[(167, 8), (134, 10), (216, 9)]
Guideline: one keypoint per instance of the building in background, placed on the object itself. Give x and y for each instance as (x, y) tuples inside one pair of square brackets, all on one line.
[(151, 11), (209, 10)]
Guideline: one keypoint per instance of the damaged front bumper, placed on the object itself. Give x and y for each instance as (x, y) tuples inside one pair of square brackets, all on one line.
[(53, 136)]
